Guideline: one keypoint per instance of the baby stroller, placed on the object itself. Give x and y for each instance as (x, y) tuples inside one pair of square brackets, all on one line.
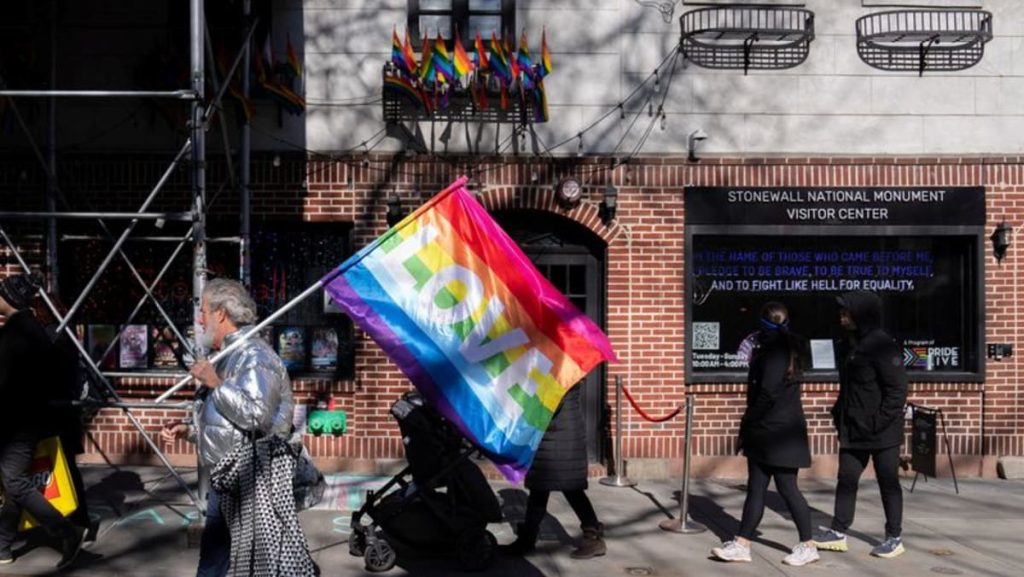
[(439, 505)]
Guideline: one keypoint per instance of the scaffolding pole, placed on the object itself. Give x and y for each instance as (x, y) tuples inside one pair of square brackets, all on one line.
[(179, 94), (198, 125), (245, 151), (50, 214)]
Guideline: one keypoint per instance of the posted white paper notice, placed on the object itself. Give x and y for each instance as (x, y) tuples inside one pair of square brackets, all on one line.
[(822, 354)]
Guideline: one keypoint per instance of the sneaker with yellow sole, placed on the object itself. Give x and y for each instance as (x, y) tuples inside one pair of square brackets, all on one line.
[(830, 540)]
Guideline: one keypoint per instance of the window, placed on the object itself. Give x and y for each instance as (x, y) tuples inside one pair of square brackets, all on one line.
[(919, 248), (929, 287), (313, 337), (471, 17)]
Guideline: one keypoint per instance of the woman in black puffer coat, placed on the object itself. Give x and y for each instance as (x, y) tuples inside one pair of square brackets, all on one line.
[(561, 465), (773, 435)]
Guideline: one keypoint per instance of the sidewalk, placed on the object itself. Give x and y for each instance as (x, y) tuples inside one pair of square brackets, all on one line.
[(143, 515)]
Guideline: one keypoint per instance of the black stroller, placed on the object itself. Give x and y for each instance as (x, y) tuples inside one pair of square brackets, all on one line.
[(439, 505)]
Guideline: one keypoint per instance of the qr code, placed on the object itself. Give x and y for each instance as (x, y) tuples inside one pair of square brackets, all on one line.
[(706, 336)]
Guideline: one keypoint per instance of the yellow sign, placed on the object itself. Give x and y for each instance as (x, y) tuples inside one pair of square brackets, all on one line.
[(49, 474)]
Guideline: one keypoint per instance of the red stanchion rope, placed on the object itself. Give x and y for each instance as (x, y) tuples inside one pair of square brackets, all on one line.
[(644, 414)]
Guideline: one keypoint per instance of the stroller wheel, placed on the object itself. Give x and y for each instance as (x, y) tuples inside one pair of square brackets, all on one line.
[(476, 549), (357, 543), (379, 556)]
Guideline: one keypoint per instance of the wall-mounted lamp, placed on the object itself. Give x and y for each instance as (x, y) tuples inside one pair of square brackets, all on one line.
[(610, 204), (395, 214), (691, 143), (1001, 240), (276, 161)]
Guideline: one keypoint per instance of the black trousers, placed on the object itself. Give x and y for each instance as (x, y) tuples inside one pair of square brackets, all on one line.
[(852, 463), (758, 477), (537, 506), (15, 458)]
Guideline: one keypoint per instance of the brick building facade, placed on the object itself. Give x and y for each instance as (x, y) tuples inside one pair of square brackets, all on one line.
[(645, 307)]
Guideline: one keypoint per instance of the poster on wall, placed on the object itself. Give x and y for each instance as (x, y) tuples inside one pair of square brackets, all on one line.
[(291, 347), (134, 347), (324, 349)]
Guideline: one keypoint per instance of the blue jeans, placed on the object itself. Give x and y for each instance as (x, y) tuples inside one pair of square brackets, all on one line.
[(215, 542)]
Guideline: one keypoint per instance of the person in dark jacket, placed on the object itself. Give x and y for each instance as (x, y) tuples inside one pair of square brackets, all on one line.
[(773, 435), (25, 349), (868, 416), (66, 383), (561, 465)]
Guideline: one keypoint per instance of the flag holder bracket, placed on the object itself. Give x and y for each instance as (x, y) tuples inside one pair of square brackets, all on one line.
[(420, 101)]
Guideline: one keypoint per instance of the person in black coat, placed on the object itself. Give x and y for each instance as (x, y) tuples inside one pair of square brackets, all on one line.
[(868, 416), (561, 465), (66, 383), (25, 350), (773, 435)]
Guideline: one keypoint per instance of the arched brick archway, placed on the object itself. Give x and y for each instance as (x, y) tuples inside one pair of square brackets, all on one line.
[(586, 213)]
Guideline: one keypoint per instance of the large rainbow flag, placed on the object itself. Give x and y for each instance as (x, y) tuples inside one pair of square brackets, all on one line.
[(465, 315)]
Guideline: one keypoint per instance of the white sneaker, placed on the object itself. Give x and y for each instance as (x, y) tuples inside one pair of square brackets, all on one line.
[(802, 554), (732, 551)]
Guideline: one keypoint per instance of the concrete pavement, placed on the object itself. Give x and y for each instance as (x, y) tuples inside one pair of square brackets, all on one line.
[(143, 517)]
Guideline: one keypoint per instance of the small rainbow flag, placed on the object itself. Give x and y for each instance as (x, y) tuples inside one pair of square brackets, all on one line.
[(545, 55), (461, 61), (460, 309), (481, 54), (442, 61), (293, 58), (497, 61), (410, 56)]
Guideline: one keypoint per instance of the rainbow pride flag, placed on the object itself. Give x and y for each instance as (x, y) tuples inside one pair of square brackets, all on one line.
[(460, 309)]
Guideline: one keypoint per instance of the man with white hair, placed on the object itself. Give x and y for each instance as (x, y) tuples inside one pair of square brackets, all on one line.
[(246, 395)]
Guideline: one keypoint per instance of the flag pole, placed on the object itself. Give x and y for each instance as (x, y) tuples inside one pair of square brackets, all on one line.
[(322, 282)]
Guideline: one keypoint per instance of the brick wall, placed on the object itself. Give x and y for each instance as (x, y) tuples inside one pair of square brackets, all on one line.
[(645, 297)]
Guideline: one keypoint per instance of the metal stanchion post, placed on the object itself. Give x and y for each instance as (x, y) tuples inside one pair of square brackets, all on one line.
[(684, 524), (618, 480)]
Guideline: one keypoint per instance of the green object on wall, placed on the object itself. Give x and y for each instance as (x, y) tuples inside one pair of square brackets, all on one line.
[(324, 422)]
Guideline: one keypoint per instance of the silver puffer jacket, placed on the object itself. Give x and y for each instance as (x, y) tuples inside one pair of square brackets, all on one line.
[(256, 393)]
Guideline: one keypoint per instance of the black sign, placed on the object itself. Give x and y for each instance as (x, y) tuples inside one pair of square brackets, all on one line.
[(926, 284), (877, 206), (923, 441)]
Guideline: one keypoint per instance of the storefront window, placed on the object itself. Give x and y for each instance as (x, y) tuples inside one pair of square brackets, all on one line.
[(313, 338), (919, 249)]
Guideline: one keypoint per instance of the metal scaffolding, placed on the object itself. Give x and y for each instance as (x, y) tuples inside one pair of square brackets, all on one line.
[(200, 120)]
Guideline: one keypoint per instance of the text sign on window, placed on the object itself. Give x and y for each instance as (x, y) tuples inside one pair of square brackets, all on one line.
[(836, 206), (919, 249)]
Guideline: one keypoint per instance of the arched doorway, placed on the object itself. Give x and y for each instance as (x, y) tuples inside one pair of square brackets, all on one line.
[(573, 259)]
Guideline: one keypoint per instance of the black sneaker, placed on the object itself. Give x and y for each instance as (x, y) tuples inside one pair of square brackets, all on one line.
[(6, 558), (71, 546)]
